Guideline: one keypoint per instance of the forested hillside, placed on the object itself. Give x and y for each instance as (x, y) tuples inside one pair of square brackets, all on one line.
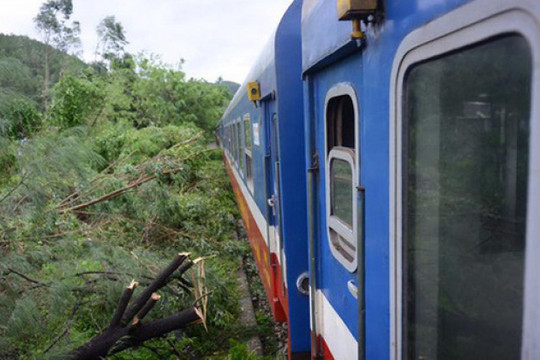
[(105, 177), (22, 65), (231, 85)]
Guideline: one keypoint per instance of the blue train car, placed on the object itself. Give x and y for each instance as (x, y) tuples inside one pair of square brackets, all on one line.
[(264, 145), (413, 209)]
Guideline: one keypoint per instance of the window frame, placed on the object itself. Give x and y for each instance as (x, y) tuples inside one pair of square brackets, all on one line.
[(469, 25), (353, 158)]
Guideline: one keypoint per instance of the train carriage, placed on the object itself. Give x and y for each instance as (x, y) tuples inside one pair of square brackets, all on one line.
[(395, 177), (264, 149)]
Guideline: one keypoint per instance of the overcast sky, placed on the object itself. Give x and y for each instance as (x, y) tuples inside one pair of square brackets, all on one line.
[(214, 37)]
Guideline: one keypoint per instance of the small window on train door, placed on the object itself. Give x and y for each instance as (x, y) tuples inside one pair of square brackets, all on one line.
[(248, 153), (341, 175)]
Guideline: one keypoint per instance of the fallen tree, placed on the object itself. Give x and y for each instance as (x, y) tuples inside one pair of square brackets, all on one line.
[(116, 193), (127, 328)]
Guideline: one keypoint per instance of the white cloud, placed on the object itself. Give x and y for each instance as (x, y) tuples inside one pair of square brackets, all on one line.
[(215, 37)]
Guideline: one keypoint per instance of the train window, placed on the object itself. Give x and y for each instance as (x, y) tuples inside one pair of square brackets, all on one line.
[(233, 141), (236, 143), (340, 178), (229, 142), (248, 149), (240, 150), (247, 131), (228, 132), (340, 122), (466, 156)]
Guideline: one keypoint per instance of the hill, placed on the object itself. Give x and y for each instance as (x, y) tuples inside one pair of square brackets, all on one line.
[(22, 68), (231, 86)]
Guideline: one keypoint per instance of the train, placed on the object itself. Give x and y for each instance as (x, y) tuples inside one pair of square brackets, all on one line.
[(385, 160)]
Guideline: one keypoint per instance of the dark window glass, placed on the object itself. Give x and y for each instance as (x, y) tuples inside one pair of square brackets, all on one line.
[(465, 195), (249, 171), (340, 126)]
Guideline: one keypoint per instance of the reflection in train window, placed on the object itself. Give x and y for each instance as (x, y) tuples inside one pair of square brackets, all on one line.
[(340, 142), (341, 190), (234, 143), (240, 152), (465, 196), (248, 153)]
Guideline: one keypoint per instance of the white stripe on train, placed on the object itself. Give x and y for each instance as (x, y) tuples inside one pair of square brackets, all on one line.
[(338, 338)]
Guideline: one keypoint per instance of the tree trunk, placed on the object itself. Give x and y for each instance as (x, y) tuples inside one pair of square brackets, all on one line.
[(118, 339), (46, 80)]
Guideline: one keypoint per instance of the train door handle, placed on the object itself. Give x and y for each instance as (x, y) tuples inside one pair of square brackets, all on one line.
[(353, 289), (272, 203)]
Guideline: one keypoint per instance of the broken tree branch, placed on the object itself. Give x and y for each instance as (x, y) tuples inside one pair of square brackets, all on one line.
[(160, 281), (10, 270), (116, 193), (146, 308), (122, 304), (113, 341), (127, 328)]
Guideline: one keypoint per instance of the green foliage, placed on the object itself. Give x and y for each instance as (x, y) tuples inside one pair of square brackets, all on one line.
[(130, 236), (16, 78), (20, 119), (22, 68), (52, 21), (240, 351), (164, 97), (75, 100), (112, 39), (135, 121), (8, 159)]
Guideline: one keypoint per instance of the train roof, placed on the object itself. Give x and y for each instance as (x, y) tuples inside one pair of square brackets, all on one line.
[(319, 42), (264, 69)]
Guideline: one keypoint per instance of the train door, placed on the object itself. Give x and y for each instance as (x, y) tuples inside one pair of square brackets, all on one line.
[(273, 192), (338, 248), (466, 188)]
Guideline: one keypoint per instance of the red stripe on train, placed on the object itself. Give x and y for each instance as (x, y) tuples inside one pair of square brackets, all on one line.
[(267, 264), (323, 349)]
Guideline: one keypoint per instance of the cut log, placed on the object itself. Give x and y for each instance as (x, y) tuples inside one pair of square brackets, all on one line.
[(127, 328), (113, 341)]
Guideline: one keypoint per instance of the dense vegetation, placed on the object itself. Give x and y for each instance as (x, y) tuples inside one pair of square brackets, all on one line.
[(106, 176)]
